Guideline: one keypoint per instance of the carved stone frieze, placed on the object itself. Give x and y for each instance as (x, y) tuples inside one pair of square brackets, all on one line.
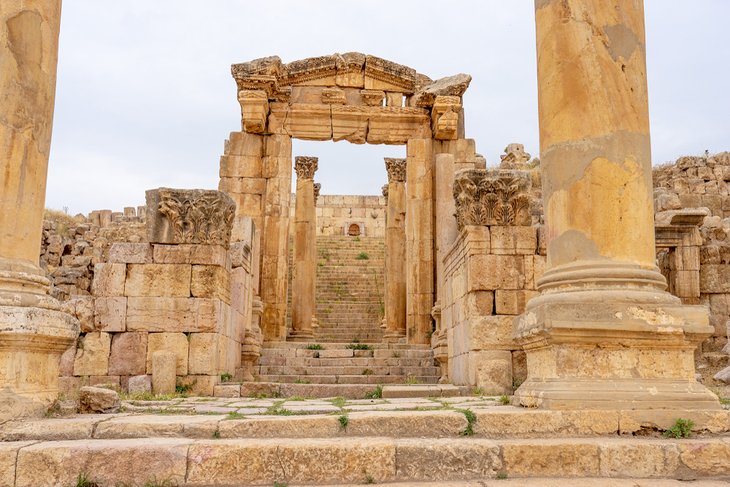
[(492, 197), (372, 98), (305, 166), (384, 189), (396, 168), (195, 216), (333, 96), (316, 187)]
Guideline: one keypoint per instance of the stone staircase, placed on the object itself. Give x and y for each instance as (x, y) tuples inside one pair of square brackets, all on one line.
[(343, 363), (350, 289)]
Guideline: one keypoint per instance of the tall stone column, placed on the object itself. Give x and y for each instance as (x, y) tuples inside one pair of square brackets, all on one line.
[(603, 333), (316, 187), (395, 251), (304, 262), (33, 332)]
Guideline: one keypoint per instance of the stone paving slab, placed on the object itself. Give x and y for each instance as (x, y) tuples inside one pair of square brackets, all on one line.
[(554, 482)]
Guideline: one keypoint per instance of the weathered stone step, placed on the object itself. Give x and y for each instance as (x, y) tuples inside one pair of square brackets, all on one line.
[(348, 370), (347, 362), (348, 379), (263, 461), (343, 345)]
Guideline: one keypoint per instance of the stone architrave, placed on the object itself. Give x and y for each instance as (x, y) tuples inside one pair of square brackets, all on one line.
[(603, 333), (304, 261), (33, 331), (395, 250)]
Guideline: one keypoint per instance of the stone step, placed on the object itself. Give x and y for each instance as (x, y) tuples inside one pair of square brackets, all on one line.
[(339, 350), (356, 460), (348, 379), (348, 370), (347, 362)]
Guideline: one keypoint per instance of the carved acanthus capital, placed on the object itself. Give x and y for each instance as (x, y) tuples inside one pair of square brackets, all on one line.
[(492, 197), (514, 157), (384, 189), (305, 166), (396, 168), (193, 216), (316, 187)]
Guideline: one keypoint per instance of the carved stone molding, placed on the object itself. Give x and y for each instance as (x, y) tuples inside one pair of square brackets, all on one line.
[(305, 166), (396, 168), (316, 187), (492, 197), (385, 192), (514, 157), (194, 216)]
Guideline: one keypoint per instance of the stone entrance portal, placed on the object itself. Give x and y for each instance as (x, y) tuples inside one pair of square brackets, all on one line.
[(361, 99)]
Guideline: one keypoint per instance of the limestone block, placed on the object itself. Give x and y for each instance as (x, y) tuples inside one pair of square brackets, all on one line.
[(350, 123), (110, 314), (174, 314), (237, 166), (242, 185), (715, 278), (490, 333), (108, 280), (492, 371), (176, 343), (399, 125), (537, 459), (189, 254), (643, 460), (254, 110), (165, 280), (163, 369), (98, 400), (128, 354), (130, 253), (512, 302), (706, 458), (201, 385), (227, 390), (66, 365), (139, 384), (513, 240), (105, 381), (92, 354), (244, 144), (203, 354), (210, 281), (446, 458), (246, 461), (491, 272), (108, 462)]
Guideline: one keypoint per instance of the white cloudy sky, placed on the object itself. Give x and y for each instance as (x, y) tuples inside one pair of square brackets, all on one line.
[(145, 97)]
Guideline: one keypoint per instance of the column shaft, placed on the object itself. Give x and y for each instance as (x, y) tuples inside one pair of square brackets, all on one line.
[(304, 262), (395, 251), (603, 333), (33, 333)]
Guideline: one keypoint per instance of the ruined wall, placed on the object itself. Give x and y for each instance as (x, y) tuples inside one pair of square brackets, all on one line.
[(336, 214), (142, 287)]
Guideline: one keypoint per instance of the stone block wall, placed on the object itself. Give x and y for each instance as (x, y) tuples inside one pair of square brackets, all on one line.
[(186, 290), (335, 214)]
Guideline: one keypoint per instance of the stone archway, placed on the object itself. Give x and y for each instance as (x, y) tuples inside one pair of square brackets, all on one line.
[(361, 99)]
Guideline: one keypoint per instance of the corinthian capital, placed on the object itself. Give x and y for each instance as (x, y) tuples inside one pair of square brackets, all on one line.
[(396, 168), (305, 166), (492, 197)]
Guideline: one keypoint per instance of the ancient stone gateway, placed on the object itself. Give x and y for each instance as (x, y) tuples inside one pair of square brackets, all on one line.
[(361, 99)]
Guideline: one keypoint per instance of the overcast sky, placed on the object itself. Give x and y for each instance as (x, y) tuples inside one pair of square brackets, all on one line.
[(145, 97)]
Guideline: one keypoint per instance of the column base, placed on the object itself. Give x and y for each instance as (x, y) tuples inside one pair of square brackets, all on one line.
[(300, 336), (394, 337), (31, 343), (612, 350)]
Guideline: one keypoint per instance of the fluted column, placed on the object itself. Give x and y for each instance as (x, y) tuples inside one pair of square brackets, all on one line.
[(603, 333), (33, 333), (305, 267), (316, 188), (395, 251)]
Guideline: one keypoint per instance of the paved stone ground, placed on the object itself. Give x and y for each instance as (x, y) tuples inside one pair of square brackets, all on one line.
[(296, 406)]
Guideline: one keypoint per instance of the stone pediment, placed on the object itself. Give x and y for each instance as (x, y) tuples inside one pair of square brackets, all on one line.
[(348, 70)]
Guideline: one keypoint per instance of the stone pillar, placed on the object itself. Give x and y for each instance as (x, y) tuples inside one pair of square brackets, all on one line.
[(419, 240), (313, 252), (603, 333), (395, 251), (304, 261), (33, 332), (276, 164)]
